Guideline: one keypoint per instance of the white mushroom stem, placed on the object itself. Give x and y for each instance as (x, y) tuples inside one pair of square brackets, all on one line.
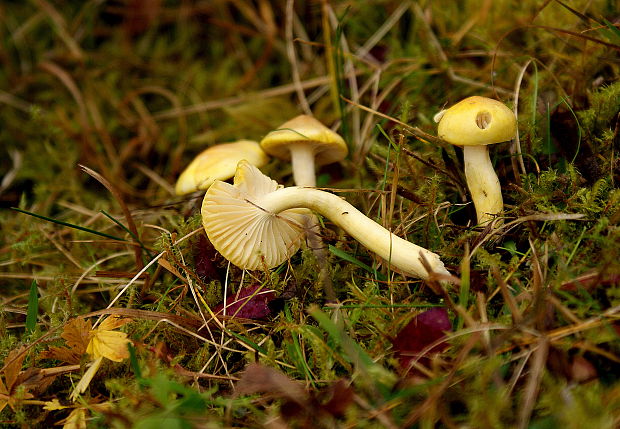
[(483, 183), (302, 159), (401, 254)]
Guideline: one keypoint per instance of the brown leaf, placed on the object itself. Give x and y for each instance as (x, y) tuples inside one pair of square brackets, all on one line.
[(3, 395), (13, 363), (262, 379), (62, 354), (29, 378), (77, 334), (582, 370)]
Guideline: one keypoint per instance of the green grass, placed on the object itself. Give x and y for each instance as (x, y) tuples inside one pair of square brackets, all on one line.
[(134, 90)]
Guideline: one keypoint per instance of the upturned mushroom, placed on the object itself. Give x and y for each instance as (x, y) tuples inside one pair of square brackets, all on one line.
[(218, 162), (255, 223), (307, 143), (475, 123)]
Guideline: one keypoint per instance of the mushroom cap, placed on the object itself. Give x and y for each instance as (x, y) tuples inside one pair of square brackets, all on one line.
[(241, 230), (218, 162), (477, 121), (303, 129)]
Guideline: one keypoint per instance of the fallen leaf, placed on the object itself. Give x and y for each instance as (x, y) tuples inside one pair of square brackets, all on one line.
[(13, 376), (13, 365), (4, 395), (582, 370), (263, 379), (54, 405), (251, 302), (341, 397), (106, 342), (77, 334), (423, 330), (75, 420), (86, 379), (204, 255)]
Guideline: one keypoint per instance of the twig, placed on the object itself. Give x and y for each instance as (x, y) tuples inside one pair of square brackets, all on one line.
[(532, 387)]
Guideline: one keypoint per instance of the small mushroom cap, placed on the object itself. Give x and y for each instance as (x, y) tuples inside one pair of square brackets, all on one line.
[(218, 162), (241, 230), (328, 146), (477, 121)]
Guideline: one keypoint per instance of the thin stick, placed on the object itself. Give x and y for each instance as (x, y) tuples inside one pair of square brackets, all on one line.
[(532, 387)]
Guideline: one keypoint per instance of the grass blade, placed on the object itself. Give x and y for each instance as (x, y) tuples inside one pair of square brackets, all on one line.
[(70, 225), (128, 231), (33, 307), (349, 258)]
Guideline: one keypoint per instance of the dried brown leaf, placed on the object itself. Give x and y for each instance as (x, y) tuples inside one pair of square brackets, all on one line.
[(262, 379), (29, 378), (15, 360), (62, 354), (77, 334)]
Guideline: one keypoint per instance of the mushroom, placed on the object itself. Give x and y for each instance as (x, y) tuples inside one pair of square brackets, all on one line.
[(474, 123), (255, 222), (306, 142), (218, 162)]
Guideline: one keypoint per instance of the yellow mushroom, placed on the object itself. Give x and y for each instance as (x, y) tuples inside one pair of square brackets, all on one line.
[(218, 162), (307, 143), (256, 223), (475, 123)]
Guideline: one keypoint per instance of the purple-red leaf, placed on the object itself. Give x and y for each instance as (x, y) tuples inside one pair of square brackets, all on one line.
[(251, 302), (423, 330)]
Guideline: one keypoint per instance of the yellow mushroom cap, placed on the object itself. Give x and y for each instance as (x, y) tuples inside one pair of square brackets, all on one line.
[(477, 121), (218, 162), (328, 146), (246, 235)]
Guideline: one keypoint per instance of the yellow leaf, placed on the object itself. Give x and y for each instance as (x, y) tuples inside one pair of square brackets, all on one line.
[(54, 405), (76, 420), (112, 322), (86, 379), (108, 343)]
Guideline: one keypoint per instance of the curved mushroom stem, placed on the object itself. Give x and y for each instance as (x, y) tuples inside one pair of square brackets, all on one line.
[(302, 159), (401, 254), (483, 183)]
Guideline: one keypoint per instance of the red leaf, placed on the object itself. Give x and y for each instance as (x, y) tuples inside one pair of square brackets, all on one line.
[(423, 330), (249, 303), (204, 257), (341, 397)]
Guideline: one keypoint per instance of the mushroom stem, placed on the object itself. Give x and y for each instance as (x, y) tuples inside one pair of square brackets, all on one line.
[(483, 183), (302, 159), (401, 254)]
